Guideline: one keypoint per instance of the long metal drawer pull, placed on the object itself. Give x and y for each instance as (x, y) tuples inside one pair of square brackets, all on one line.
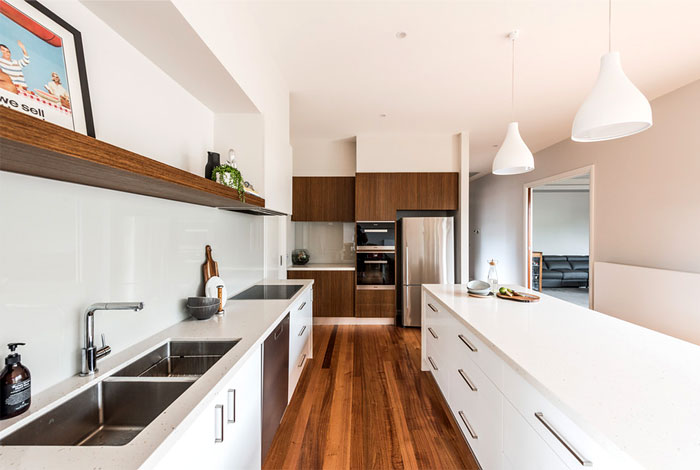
[(581, 459), (303, 358), (432, 363), (303, 304), (469, 426), (466, 379), (376, 262), (219, 423), (432, 308), (376, 230), (232, 405), (466, 341), (432, 333), (303, 328)]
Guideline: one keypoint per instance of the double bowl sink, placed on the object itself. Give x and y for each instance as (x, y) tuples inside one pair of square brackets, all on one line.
[(113, 411)]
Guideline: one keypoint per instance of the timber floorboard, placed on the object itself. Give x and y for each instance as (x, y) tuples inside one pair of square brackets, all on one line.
[(362, 402)]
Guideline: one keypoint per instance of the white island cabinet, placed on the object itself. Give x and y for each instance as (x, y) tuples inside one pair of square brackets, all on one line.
[(227, 433), (300, 338), (504, 417)]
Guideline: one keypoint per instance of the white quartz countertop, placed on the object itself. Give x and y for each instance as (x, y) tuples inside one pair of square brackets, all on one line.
[(250, 320), (322, 267), (627, 386)]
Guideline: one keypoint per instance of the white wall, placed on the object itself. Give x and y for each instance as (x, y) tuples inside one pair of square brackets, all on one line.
[(244, 133), (408, 153), (560, 222), (646, 197), (324, 157)]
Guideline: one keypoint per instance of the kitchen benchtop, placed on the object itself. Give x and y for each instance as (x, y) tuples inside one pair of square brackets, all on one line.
[(322, 267), (628, 387), (250, 320)]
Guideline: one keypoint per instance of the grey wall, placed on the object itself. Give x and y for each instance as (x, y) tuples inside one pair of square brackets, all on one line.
[(560, 222)]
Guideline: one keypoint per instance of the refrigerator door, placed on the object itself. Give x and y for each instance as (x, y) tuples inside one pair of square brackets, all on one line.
[(427, 250), (411, 305)]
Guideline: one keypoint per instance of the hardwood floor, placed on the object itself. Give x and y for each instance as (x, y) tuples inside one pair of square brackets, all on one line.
[(363, 403)]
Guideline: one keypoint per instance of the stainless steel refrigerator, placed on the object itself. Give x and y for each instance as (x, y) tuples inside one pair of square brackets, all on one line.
[(427, 257)]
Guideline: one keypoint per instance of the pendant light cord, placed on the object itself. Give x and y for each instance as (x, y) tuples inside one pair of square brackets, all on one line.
[(512, 83), (609, 25)]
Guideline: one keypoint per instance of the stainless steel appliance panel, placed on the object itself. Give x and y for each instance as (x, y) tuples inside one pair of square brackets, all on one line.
[(411, 305), (275, 382), (427, 250)]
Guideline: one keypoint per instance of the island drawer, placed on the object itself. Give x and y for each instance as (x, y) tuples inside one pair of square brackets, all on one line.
[(464, 343)]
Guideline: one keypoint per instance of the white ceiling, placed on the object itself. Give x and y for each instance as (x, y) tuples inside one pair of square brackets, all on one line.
[(345, 66)]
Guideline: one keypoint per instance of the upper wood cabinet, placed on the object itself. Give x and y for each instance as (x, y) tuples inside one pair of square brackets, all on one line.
[(380, 195), (323, 199)]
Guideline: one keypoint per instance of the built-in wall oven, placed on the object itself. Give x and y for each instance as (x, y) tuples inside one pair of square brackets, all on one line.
[(375, 236), (376, 270)]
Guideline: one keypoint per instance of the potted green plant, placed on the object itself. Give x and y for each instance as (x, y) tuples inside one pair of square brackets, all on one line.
[(229, 176)]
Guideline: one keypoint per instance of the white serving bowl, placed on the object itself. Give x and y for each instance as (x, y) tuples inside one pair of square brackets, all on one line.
[(478, 287)]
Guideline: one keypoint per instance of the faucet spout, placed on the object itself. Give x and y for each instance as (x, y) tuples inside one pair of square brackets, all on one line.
[(89, 353)]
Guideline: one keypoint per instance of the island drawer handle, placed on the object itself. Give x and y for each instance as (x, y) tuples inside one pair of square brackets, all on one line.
[(466, 379), (232, 405), (432, 308), (219, 424), (303, 358), (303, 304), (469, 426), (581, 459), (432, 333), (432, 363), (466, 341), (303, 328)]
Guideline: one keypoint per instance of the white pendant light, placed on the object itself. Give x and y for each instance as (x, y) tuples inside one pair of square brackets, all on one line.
[(615, 107), (513, 157)]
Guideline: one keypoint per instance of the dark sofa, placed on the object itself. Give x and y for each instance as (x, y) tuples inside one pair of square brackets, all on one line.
[(564, 271)]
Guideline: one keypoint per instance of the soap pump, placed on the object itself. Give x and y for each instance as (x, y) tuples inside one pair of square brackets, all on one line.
[(15, 385)]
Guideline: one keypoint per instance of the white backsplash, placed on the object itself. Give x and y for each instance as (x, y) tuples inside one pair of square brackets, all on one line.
[(327, 242), (64, 246)]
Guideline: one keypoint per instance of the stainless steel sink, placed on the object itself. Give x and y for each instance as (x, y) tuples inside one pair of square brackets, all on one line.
[(110, 413), (178, 359)]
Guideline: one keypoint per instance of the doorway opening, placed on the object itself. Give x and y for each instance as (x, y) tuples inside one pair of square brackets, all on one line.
[(559, 232)]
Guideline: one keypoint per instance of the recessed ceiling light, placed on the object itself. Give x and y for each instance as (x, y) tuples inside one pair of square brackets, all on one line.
[(401, 35), (382, 115)]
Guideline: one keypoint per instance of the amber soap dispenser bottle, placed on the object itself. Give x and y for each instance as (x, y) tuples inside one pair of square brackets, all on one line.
[(15, 385)]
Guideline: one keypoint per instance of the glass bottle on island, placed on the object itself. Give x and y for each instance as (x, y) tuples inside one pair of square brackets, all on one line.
[(493, 276)]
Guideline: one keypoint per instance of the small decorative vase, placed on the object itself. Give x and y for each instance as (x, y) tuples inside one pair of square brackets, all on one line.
[(213, 160), (300, 256)]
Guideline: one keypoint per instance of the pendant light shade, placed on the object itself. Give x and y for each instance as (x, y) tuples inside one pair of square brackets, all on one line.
[(614, 108), (513, 157)]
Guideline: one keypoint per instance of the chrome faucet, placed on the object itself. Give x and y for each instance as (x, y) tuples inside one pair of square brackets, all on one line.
[(90, 354)]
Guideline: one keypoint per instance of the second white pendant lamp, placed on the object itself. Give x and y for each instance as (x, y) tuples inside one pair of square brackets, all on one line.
[(513, 157), (615, 107)]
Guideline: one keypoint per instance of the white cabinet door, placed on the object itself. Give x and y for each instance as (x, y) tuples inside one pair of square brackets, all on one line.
[(242, 401), (300, 337)]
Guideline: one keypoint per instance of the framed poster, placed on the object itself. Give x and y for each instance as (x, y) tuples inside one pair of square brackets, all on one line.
[(42, 66)]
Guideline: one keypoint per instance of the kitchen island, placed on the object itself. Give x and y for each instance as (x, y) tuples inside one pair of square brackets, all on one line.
[(551, 385), (251, 321)]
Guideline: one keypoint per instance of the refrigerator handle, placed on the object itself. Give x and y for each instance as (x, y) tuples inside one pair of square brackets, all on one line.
[(405, 264)]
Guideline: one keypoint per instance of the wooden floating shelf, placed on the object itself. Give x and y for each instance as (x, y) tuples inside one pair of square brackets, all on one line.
[(33, 147)]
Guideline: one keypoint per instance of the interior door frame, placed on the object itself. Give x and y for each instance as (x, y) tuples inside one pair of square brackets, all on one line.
[(527, 225)]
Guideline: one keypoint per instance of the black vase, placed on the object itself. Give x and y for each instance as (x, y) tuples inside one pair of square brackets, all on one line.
[(212, 162)]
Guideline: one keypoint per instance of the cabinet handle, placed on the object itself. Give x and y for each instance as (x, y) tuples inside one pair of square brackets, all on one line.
[(466, 379), (219, 423), (581, 459), (303, 358), (432, 363), (376, 262), (232, 405), (376, 230), (279, 331), (302, 330), (466, 341), (432, 308), (469, 426), (432, 333), (303, 304)]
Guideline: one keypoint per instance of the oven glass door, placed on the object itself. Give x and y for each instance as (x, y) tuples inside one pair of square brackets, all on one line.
[(375, 269), (375, 236)]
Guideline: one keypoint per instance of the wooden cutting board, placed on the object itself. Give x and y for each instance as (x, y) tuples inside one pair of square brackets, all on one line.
[(210, 268), (520, 297)]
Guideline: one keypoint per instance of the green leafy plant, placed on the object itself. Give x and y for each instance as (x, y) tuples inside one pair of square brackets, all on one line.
[(230, 177)]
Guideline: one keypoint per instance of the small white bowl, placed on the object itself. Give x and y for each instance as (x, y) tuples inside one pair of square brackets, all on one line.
[(479, 287)]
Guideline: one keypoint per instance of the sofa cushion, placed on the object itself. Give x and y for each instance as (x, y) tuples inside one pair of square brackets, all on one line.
[(552, 275), (579, 265), (557, 265), (575, 275)]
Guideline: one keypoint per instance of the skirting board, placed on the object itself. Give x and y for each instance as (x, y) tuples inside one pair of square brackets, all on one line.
[(352, 321), (657, 299)]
